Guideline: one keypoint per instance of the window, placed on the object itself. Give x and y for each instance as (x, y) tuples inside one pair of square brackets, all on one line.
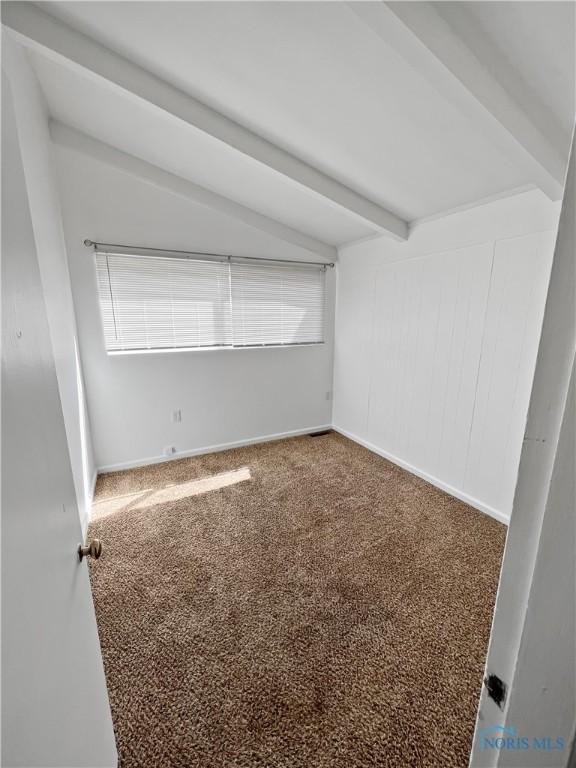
[(274, 304), (158, 302)]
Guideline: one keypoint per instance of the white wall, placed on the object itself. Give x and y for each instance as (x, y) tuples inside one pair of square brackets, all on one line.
[(226, 396), (436, 343), (37, 158)]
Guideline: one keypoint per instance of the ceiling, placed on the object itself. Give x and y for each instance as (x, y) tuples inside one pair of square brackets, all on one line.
[(148, 216), (134, 127), (316, 81), (537, 40)]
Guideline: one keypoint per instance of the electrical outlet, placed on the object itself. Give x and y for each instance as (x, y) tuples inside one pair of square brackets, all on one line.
[(177, 416), (170, 450), (329, 395)]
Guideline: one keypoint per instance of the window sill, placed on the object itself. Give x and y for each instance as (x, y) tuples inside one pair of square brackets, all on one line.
[(168, 350)]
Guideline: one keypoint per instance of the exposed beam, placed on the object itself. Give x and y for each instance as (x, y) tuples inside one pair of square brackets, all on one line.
[(41, 31), (428, 43), (68, 137)]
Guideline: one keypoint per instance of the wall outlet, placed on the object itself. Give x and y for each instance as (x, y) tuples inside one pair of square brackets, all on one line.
[(170, 450), (177, 415), (329, 395)]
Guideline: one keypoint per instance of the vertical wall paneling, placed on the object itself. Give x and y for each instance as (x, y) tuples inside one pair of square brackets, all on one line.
[(435, 348), (513, 322), (429, 317)]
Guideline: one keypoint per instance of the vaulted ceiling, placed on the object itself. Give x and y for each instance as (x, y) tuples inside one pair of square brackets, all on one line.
[(330, 121)]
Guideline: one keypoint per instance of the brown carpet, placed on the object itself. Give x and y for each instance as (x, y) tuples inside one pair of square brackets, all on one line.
[(297, 604)]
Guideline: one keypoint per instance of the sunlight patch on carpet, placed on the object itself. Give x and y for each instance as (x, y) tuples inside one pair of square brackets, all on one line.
[(150, 497)]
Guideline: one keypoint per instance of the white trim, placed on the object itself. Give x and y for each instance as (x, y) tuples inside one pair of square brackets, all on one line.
[(414, 224), (222, 348), (209, 449), (468, 206), (471, 500), (42, 32)]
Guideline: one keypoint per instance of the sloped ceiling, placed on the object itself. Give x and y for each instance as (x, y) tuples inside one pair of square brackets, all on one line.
[(314, 80), (537, 41), (149, 216)]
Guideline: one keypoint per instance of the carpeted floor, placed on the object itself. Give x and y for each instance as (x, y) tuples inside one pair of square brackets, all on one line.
[(297, 604)]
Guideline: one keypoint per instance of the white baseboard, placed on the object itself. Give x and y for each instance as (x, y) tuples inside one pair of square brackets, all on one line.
[(209, 449), (473, 502)]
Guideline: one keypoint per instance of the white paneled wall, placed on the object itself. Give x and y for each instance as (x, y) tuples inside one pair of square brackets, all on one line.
[(435, 352), (508, 356), (428, 322)]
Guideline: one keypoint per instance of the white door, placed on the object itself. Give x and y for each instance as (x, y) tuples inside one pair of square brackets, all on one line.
[(55, 709)]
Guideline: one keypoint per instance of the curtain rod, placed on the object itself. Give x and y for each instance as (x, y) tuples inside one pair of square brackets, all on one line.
[(141, 250)]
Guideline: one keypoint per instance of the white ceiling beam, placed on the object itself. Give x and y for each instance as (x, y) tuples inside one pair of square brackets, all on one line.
[(419, 34), (70, 138), (37, 29)]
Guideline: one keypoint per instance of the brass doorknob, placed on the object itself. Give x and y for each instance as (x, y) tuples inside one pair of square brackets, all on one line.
[(94, 549)]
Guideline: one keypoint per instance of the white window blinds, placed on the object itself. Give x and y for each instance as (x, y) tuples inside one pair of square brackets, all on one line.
[(158, 302), (276, 304)]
